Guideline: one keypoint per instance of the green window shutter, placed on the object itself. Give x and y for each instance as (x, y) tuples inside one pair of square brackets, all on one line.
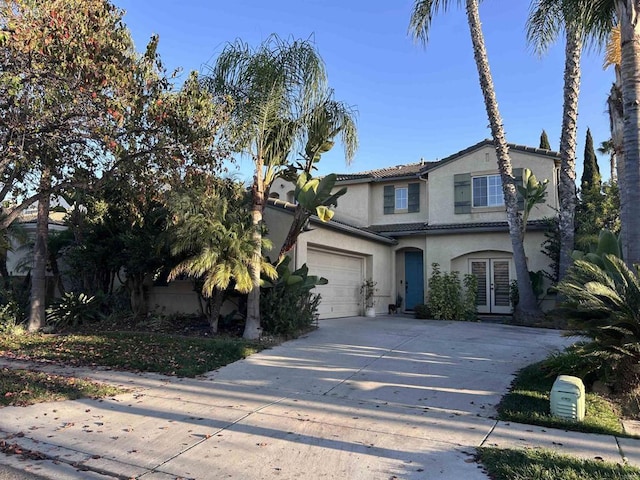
[(389, 199), (517, 174), (462, 192), (414, 197)]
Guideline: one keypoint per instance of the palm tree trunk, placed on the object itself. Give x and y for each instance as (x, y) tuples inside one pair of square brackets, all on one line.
[(215, 306), (252, 330), (628, 12), (300, 218), (37, 314), (567, 185), (616, 122), (527, 309)]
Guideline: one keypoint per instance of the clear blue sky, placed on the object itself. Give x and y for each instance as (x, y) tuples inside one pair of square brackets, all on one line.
[(413, 102)]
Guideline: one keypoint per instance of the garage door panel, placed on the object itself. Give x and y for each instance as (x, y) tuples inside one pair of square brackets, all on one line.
[(345, 273)]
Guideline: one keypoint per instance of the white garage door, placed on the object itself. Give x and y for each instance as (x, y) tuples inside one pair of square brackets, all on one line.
[(341, 296)]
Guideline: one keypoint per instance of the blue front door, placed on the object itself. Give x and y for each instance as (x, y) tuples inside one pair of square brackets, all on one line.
[(413, 279)]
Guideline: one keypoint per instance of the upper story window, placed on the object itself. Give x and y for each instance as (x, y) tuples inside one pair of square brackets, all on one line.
[(487, 191), (402, 198), (478, 191)]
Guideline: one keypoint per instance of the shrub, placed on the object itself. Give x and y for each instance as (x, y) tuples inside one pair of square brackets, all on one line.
[(449, 299), (288, 309), (603, 304), (71, 310), (422, 311), (14, 301), (288, 305)]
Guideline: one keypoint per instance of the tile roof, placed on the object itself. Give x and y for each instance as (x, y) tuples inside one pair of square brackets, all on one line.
[(397, 171), (489, 142), (419, 168)]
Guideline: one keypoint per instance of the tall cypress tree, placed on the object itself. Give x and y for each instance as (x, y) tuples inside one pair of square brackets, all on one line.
[(598, 207), (591, 178), (544, 141)]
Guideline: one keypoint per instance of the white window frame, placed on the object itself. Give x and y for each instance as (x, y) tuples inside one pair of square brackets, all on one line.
[(493, 195), (401, 202)]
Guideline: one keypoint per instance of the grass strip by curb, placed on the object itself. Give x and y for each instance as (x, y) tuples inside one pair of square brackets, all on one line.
[(146, 352), (528, 402), (539, 464), (26, 387)]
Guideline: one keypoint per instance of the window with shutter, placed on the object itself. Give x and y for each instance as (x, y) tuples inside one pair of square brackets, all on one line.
[(462, 192), (414, 197), (402, 199), (389, 199), (487, 191)]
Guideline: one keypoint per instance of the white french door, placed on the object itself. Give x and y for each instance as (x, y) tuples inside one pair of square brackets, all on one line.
[(493, 284)]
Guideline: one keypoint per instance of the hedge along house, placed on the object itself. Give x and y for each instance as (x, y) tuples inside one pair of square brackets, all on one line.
[(394, 223)]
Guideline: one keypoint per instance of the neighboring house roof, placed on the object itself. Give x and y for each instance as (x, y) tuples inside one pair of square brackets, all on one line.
[(333, 224), (419, 228), (55, 218), (415, 170)]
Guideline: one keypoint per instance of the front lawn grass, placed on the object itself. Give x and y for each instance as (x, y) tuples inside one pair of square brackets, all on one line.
[(535, 464), (146, 352), (528, 402), (24, 387)]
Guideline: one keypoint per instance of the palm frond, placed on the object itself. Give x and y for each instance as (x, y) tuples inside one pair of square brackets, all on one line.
[(549, 18), (422, 15)]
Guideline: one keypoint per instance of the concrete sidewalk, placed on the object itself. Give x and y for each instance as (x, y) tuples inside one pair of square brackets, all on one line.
[(385, 398)]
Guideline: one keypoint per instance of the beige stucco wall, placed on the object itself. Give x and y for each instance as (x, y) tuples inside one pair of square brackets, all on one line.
[(354, 207), (176, 297), (452, 252), (378, 256), (479, 162)]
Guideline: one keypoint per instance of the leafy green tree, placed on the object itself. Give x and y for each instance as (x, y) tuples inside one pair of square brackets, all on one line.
[(274, 88), (213, 236), (598, 209), (544, 141), (527, 310), (599, 205), (78, 99), (548, 19), (591, 179), (61, 63)]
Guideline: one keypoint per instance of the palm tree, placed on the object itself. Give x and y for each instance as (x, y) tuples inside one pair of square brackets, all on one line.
[(272, 88), (527, 309), (322, 125), (625, 14), (547, 20), (607, 148), (214, 236)]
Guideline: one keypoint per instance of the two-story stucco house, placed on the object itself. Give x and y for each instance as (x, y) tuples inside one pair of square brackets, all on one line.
[(394, 223)]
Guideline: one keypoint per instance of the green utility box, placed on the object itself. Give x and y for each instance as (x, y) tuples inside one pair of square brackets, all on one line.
[(567, 398)]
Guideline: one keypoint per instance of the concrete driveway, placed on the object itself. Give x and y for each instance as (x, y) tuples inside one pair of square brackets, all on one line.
[(360, 398)]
